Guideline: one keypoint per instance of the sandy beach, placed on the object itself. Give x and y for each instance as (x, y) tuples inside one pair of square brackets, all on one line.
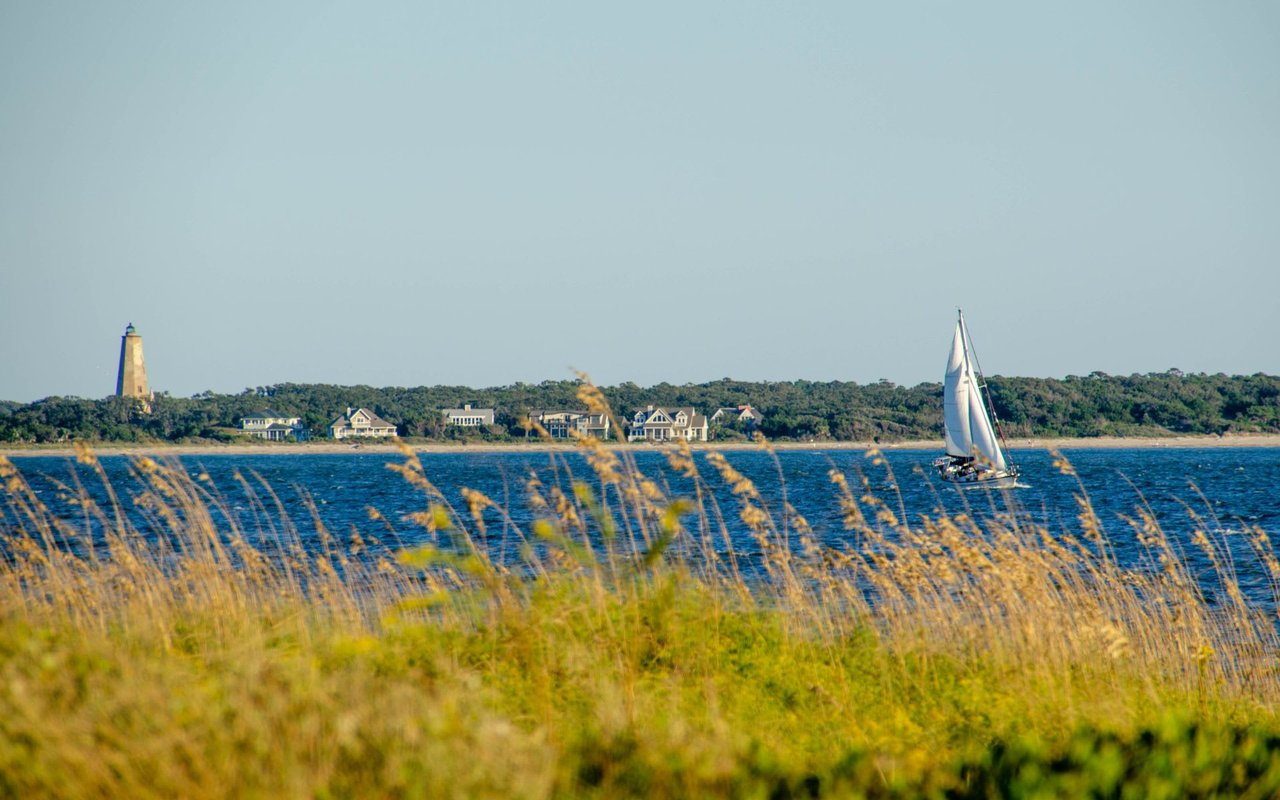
[(325, 447)]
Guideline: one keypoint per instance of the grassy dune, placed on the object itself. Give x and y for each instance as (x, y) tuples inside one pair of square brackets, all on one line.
[(936, 656)]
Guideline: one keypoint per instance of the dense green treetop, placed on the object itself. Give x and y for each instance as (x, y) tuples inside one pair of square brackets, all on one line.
[(1158, 404)]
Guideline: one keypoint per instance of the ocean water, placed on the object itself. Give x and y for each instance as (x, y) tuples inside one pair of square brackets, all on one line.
[(1226, 491)]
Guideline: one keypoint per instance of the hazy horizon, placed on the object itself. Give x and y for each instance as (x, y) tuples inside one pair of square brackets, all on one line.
[(413, 195)]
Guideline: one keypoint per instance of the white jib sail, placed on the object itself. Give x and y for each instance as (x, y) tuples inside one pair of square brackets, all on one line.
[(967, 425)]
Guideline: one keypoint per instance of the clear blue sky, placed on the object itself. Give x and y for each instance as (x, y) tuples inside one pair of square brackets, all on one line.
[(405, 194)]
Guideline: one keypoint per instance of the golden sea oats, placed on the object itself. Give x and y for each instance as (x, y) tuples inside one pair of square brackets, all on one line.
[(837, 477), (411, 470), (1116, 642), (850, 511), (755, 519), (740, 484), (1151, 530), (325, 568), (797, 519), (477, 502), (536, 427), (681, 459), (405, 450), (1262, 547), (650, 490), (566, 510), (590, 395), (876, 457), (536, 501), (84, 454), (600, 458)]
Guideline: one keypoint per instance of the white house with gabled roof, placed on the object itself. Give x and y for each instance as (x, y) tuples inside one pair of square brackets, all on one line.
[(662, 424), (272, 426), (360, 422), (743, 416)]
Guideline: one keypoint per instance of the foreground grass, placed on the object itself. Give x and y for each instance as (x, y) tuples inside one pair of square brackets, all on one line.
[(627, 656)]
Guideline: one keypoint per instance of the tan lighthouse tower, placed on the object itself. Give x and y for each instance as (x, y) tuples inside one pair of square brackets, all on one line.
[(132, 379)]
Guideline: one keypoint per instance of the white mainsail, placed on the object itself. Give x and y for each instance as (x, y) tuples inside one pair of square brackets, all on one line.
[(968, 427)]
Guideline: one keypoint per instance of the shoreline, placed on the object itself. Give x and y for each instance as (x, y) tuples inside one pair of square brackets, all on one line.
[(332, 448)]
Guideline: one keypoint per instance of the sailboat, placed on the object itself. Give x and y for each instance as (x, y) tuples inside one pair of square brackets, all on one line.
[(976, 452)]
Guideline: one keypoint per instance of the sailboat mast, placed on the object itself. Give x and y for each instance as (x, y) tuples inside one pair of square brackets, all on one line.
[(969, 351)]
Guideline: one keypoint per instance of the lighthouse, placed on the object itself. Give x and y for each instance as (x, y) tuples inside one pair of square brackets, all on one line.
[(132, 378)]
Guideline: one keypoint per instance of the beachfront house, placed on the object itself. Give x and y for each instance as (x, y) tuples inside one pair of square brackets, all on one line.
[(558, 424), (360, 422), (659, 424), (743, 418), (468, 417), (272, 426)]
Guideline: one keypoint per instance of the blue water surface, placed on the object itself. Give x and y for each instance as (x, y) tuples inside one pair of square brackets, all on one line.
[(1231, 490)]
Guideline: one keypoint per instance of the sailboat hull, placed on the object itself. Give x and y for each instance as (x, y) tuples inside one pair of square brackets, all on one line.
[(974, 479)]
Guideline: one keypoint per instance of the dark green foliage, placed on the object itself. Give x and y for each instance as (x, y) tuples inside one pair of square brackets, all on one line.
[(1176, 759), (1097, 405), (1163, 403)]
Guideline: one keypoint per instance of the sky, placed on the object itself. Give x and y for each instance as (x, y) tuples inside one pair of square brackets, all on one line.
[(418, 193)]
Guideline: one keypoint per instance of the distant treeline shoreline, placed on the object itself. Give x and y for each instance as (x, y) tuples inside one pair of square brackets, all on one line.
[(1156, 404)]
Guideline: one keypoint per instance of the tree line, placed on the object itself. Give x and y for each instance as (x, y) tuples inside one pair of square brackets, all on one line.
[(1156, 404)]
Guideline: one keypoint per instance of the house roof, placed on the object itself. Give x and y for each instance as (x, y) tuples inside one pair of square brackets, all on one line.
[(538, 413), (375, 421), (265, 414), (487, 415), (695, 420)]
